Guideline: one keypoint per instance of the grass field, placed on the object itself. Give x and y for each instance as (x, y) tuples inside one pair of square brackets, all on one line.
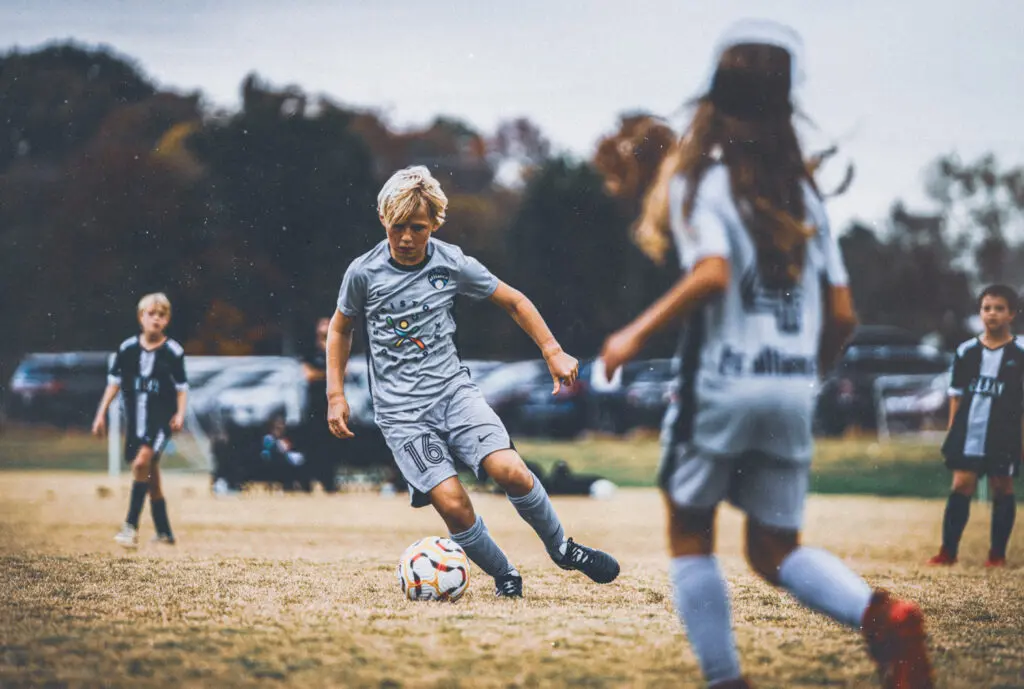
[(280, 591), (907, 467)]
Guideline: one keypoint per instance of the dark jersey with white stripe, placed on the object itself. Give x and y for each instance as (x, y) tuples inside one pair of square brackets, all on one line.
[(150, 380), (990, 385)]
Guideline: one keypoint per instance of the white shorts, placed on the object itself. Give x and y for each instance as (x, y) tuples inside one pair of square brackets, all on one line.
[(426, 442), (769, 489)]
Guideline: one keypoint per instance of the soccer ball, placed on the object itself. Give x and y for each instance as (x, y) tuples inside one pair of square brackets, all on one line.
[(433, 568)]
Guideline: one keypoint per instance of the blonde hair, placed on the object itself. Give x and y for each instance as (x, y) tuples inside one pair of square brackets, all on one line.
[(402, 194), (158, 300)]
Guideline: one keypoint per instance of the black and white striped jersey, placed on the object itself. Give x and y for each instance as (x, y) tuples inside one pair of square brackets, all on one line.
[(990, 386), (150, 380)]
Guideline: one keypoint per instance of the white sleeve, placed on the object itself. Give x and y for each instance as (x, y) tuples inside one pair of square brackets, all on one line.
[(704, 235)]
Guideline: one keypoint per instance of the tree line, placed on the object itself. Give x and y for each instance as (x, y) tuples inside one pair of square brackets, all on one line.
[(111, 187)]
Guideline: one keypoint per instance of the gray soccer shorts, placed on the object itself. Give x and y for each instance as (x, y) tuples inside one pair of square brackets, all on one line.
[(426, 442), (769, 489)]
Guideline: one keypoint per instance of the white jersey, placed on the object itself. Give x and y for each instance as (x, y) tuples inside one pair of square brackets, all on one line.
[(748, 361)]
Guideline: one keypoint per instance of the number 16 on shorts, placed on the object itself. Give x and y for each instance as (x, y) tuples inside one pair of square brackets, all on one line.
[(426, 452)]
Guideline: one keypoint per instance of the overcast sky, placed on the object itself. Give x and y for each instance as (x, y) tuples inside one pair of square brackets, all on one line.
[(897, 83)]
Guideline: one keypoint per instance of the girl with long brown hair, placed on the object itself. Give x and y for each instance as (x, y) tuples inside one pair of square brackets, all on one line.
[(768, 309)]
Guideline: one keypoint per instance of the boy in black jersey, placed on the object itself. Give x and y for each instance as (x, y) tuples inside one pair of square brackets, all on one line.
[(149, 369), (986, 401)]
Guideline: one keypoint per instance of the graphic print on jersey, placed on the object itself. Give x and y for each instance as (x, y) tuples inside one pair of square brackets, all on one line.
[(785, 304), (405, 331)]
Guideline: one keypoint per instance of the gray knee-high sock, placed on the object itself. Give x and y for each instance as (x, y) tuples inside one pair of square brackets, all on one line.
[(702, 602), (820, 580), (482, 549), (536, 509)]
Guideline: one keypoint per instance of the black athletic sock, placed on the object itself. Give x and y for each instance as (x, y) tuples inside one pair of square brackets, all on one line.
[(160, 520), (1004, 512), (139, 491), (958, 509)]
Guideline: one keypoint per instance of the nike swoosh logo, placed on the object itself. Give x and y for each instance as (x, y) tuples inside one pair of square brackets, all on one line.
[(481, 438)]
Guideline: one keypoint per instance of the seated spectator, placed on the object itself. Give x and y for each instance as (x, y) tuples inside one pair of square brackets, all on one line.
[(280, 462)]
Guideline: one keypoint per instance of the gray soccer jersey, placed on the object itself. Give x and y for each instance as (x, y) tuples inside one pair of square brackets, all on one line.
[(748, 359), (409, 321)]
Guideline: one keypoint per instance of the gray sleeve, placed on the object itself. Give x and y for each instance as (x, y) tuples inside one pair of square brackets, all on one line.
[(475, 281), (352, 295)]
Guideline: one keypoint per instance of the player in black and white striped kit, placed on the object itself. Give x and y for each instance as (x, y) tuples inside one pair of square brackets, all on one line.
[(149, 370), (986, 404)]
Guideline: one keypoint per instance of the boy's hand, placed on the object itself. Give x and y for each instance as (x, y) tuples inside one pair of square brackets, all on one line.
[(620, 347), (337, 417), (178, 422), (99, 425), (564, 369)]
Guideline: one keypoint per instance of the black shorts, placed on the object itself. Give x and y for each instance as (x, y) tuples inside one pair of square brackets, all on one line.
[(985, 466), (156, 439)]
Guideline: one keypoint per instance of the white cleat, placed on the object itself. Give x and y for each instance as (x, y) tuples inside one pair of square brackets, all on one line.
[(162, 539), (127, 537)]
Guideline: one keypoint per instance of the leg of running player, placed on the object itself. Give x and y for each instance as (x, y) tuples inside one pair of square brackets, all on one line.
[(954, 519), (701, 596), (894, 629), (527, 495), (1004, 513), (158, 506), (452, 502), (128, 537)]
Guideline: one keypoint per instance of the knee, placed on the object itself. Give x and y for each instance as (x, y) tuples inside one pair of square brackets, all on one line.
[(691, 532), (457, 512), (767, 550), (141, 468), (1001, 487), (965, 484), (517, 480), (763, 561)]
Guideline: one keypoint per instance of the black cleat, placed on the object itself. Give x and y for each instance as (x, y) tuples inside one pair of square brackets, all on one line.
[(508, 586), (596, 564)]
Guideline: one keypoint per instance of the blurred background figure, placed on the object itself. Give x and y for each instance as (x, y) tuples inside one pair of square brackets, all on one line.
[(323, 451)]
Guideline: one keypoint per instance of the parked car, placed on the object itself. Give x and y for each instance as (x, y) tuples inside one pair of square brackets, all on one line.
[(61, 389), (649, 395), (847, 395), (608, 408), (257, 395)]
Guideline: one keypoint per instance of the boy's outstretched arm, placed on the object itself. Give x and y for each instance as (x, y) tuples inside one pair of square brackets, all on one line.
[(563, 368), (708, 278), (339, 346)]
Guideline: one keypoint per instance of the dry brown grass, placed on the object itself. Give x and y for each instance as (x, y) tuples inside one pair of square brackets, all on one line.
[(274, 590)]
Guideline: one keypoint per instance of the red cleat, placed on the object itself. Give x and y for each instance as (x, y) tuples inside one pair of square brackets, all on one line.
[(995, 560), (894, 630), (943, 559)]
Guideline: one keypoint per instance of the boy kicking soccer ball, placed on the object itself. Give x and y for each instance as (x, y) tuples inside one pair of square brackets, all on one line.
[(986, 402), (429, 410), (149, 369)]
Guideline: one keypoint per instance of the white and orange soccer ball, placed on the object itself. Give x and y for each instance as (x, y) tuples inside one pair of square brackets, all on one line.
[(433, 568)]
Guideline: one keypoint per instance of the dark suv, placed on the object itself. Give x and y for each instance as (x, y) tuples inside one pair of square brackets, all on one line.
[(847, 396), (60, 389)]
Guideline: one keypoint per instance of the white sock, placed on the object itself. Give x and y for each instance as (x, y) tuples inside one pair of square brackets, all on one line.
[(702, 602), (819, 580)]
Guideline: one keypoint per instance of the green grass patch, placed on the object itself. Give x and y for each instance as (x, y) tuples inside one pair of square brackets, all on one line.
[(53, 449)]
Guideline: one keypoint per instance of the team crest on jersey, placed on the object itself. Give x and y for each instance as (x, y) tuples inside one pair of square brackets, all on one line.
[(786, 304), (439, 277)]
